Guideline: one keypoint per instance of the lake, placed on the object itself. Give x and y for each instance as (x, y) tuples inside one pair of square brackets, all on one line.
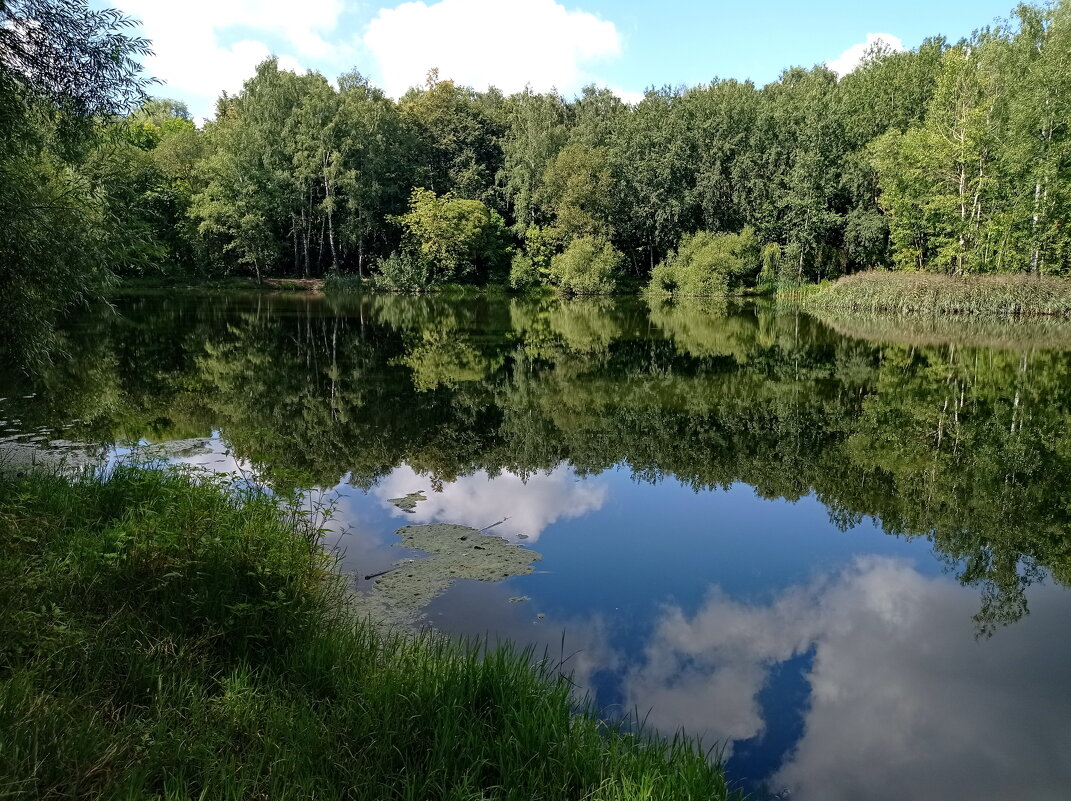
[(839, 549)]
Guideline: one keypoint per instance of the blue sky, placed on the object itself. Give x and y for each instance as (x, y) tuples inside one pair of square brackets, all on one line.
[(205, 46)]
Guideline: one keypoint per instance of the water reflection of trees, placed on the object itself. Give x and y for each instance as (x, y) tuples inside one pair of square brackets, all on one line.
[(967, 446)]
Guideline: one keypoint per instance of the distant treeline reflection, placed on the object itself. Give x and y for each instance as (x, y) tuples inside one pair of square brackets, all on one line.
[(966, 445)]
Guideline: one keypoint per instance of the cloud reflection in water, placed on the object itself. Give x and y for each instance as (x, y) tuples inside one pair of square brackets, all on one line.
[(905, 702), (478, 500)]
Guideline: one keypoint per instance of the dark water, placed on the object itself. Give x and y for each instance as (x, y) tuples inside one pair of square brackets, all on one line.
[(840, 550)]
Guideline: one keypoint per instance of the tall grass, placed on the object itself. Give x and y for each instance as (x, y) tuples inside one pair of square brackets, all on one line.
[(345, 283), (922, 293), (166, 638)]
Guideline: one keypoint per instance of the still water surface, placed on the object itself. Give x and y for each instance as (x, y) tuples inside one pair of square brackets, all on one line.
[(840, 549)]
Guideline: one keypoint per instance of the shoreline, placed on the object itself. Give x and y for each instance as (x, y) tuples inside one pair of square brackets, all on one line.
[(196, 637), (877, 293)]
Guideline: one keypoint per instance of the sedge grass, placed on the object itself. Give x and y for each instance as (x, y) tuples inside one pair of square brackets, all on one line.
[(176, 639), (927, 293)]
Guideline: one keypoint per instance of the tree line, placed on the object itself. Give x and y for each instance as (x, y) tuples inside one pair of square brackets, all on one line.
[(949, 158), (952, 157)]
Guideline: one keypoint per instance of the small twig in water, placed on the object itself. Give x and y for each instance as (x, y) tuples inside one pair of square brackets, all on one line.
[(499, 523), (380, 573)]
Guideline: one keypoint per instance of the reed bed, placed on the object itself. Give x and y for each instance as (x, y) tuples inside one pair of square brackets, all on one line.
[(923, 293)]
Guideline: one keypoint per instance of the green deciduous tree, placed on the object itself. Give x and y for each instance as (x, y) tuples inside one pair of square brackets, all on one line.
[(64, 68), (461, 240)]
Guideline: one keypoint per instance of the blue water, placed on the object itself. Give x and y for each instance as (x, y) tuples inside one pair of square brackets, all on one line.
[(725, 613)]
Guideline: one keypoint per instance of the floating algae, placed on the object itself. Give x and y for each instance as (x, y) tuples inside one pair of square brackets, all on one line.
[(177, 448), (456, 552), (68, 457), (407, 503)]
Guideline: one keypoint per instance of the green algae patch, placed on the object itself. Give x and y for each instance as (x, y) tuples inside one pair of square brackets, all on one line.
[(407, 503), (177, 448), (21, 452), (455, 552)]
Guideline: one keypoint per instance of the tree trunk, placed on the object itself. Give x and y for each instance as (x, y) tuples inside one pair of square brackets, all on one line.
[(330, 219), (294, 236), (331, 240), (962, 215), (305, 241), (1034, 255)]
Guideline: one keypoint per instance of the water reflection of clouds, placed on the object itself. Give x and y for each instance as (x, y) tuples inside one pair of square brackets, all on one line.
[(527, 505), (905, 703)]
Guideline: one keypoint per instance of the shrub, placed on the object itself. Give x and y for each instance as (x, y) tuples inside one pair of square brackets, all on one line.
[(541, 244), (708, 264), (523, 273), (588, 266), (343, 283), (403, 271)]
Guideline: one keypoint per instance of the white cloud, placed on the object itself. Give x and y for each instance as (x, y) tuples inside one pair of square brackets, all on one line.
[(628, 95), (528, 506), (505, 43), (850, 58), (196, 63)]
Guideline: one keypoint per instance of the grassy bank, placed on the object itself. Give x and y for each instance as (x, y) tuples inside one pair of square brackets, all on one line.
[(227, 284), (161, 638), (920, 293)]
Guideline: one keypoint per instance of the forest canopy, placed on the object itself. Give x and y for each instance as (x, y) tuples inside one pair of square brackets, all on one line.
[(950, 158)]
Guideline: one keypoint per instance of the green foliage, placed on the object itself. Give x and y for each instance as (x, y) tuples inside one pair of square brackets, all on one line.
[(708, 264), (973, 186), (772, 266), (456, 139), (588, 266), (457, 239), (578, 192), (523, 273), (404, 271), (538, 129), (947, 158), (63, 68), (170, 634)]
